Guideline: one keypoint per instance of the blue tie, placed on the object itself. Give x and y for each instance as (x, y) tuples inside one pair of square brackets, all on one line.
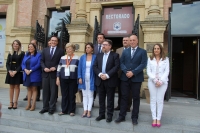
[(132, 54), (104, 63), (99, 49), (52, 52)]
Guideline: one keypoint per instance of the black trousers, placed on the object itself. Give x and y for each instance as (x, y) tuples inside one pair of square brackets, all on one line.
[(50, 93), (38, 92), (104, 90), (119, 96), (134, 87), (69, 87)]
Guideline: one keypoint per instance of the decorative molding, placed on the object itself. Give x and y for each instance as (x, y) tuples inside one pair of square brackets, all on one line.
[(6, 2), (95, 6), (58, 4)]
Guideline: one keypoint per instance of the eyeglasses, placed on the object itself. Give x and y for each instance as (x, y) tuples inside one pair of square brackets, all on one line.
[(106, 44)]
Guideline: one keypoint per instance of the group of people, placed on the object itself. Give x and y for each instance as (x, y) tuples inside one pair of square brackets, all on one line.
[(99, 69)]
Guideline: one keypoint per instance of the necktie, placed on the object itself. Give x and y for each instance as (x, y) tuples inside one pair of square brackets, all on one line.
[(104, 63), (99, 49), (132, 54), (52, 52)]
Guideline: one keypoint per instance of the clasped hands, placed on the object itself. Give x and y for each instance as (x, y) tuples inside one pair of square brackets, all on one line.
[(129, 74), (27, 71), (103, 76), (157, 82), (50, 69), (12, 73)]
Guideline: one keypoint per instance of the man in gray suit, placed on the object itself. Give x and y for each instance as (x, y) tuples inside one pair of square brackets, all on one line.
[(120, 51)]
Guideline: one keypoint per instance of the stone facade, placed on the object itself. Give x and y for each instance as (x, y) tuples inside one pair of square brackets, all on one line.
[(21, 20)]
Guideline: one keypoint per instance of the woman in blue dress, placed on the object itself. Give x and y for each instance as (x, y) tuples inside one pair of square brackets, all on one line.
[(31, 74)]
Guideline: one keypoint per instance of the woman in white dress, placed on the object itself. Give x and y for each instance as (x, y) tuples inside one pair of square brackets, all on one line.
[(157, 71)]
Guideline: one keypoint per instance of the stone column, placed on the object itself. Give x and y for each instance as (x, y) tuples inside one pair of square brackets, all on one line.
[(79, 29), (153, 28)]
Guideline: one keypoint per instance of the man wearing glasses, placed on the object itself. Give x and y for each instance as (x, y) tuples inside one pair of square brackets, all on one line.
[(106, 67)]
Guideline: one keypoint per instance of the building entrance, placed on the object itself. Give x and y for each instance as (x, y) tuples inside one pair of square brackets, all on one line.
[(184, 67), (117, 42)]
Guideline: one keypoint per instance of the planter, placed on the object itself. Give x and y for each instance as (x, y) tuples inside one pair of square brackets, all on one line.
[(147, 95)]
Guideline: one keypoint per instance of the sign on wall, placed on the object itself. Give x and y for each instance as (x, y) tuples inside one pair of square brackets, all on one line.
[(2, 40), (117, 21)]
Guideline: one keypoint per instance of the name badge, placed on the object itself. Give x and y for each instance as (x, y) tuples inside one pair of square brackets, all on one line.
[(67, 72)]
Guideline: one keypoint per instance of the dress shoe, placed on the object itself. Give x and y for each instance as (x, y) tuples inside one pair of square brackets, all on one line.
[(119, 120), (109, 119), (100, 118), (117, 108), (43, 111), (25, 99), (51, 112), (134, 122)]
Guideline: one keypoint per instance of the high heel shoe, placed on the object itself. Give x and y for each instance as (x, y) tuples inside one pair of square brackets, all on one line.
[(16, 105), (154, 125), (32, 108), (158, 125), (10, 107), (28, 107)]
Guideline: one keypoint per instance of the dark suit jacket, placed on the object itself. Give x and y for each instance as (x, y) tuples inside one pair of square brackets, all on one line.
[(47, 62), (112, 67), (96, 49), (136, 65), (18, 61)]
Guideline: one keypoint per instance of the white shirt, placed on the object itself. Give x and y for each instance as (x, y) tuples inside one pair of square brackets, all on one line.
[(54, 49), (132, 50), (106, 63)]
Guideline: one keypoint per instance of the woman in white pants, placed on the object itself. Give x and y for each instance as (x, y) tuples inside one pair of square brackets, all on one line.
[(157, 71), (86, 78)]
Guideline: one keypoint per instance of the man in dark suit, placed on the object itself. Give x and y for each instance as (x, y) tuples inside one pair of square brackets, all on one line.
[(100, 40), (132, 63), (106, 67), (49, 62), (125, 42), (97, 50)]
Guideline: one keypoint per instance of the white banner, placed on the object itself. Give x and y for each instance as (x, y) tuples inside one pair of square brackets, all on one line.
[(2, 40)]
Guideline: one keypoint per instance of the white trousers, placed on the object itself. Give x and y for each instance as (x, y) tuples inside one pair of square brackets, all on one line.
[(156, 99), (87, 94)]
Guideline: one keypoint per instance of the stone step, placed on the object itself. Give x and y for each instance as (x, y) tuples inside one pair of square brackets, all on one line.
[(72, 126), (11, 129), (75, 124), (144, 115)]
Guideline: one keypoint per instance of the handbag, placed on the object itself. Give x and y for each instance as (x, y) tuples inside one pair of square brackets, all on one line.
[(79, 97)]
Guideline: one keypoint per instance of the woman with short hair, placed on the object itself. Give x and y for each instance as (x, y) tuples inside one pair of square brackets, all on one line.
[(86, 78), (67, 79), (158, 71)]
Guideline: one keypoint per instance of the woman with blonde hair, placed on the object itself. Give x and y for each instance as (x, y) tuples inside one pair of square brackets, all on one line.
[(157, 71), (67, 72), (14, 72)]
